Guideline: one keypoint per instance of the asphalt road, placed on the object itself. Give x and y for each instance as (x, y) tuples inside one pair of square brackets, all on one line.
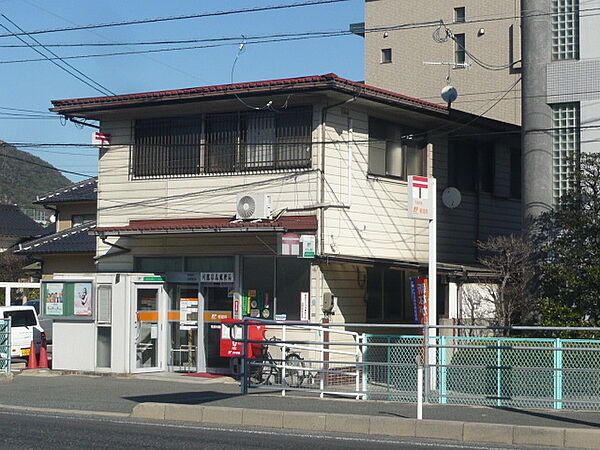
[(93, 393), (27, 430)]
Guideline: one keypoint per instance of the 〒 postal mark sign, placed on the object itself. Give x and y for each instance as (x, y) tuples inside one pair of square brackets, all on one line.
[(420, 198), (100, 139)]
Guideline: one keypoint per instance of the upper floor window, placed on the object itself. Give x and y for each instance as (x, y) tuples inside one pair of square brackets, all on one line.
[(386, 55), (460, 52), (222, 143), (396, 151), (460, 15), (471, 166), (78, 219), (565, 29)]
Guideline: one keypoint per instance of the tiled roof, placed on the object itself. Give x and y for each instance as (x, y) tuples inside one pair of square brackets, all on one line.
[(72, 240), (285, 85), (13, 222), (84, 191), (184, 226)]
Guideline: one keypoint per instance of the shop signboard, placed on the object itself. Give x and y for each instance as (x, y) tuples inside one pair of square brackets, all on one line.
[(308, 245), (216, 277), (290, 244), (237, 306), (68, 299)]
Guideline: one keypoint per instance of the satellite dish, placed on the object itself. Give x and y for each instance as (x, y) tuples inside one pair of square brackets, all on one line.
[(451, 197), (449, 94)]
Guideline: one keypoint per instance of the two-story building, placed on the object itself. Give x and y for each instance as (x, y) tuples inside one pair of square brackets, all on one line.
[(280, 199)]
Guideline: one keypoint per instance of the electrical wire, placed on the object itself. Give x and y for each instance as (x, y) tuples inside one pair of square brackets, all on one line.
[(45, 166), (185, 17), (96, 86)]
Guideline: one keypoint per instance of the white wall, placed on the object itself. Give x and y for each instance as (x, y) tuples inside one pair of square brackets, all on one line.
[(73, 346)]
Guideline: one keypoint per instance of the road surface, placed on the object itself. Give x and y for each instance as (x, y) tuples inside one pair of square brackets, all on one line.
[(28, 429)]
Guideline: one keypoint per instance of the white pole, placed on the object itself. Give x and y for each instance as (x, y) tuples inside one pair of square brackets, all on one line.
[(283, 360), (432, 282), (419, 388)]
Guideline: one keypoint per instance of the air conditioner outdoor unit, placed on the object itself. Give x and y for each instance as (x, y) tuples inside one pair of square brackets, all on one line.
[(251, 206)]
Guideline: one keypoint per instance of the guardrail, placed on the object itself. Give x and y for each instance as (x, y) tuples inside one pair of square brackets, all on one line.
[(354, 360), (5, 345)]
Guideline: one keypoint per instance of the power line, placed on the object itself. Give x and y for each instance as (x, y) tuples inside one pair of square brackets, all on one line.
[(45, 166), (100, 88), (186, 16)]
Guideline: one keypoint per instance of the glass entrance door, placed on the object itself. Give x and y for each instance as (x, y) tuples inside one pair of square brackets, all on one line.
[(218, 305), (183, 328), (147, 327)]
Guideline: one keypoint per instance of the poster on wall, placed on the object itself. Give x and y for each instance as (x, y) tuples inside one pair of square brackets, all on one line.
[(419, 292), (54, 299), (68, 299), (188, 314), (83, 299)]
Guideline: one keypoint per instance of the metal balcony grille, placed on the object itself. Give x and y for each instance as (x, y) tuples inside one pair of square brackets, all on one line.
[(222, 143)]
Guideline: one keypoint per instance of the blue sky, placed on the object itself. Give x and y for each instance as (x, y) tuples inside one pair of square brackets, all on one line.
[(33, 85)]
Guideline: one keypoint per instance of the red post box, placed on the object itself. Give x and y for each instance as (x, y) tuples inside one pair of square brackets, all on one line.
[(230, 348)]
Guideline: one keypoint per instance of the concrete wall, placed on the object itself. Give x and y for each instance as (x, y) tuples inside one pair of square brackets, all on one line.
[(477, 87)]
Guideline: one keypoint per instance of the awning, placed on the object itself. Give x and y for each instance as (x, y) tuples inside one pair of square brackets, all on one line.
[(209, 225)]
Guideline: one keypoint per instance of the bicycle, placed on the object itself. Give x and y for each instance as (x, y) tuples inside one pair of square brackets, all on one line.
[(265, 370)]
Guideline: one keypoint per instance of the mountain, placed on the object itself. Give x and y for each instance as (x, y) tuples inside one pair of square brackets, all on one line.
[(21, 181)]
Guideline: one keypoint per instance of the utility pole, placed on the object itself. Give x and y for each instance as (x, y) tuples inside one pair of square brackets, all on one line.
[(536, 137)]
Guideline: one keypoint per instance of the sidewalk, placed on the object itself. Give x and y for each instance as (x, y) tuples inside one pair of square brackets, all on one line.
[(122, 394)]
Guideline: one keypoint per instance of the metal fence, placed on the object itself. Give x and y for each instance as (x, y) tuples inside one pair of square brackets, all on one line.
[(343, 360), (5, 345)]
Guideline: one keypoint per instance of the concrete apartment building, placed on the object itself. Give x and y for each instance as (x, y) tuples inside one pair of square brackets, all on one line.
[(561, 94), (490, 31)]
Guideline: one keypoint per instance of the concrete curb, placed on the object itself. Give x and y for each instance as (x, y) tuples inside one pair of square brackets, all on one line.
[(375, 425)]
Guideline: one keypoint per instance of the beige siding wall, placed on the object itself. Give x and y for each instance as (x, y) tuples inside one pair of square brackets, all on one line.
[(376, 223), (411, 47), (67, 211), (121, 199), (479, 215)]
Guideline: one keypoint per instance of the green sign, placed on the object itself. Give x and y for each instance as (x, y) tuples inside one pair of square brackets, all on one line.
[(153, 279)]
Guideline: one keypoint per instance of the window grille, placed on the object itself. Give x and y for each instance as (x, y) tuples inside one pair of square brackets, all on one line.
[(565, 146), (565, 29), (225, 143)]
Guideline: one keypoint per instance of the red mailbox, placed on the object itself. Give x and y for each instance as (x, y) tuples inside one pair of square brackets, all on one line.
[(231, 348)]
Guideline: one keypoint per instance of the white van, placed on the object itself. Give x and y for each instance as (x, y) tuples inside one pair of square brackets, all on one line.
[(25, 326)]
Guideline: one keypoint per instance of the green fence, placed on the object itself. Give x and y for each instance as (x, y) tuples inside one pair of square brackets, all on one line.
[(4, 345), (504, 372)]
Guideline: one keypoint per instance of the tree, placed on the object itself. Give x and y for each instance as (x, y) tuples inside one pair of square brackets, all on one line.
[(11, 266), (567, 243), (509, 259)]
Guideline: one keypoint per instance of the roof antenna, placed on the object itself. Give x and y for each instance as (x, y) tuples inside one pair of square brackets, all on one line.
[(241, 49)]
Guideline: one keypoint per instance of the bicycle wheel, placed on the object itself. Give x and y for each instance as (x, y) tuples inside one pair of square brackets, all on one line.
[(262, 371), (294, 370)]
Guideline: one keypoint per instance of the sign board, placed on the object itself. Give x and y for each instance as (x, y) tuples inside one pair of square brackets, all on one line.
[(100, 139), (420, 198), (216, 277), (304, 307), (237, 306), (290, 244), (308, 245)]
